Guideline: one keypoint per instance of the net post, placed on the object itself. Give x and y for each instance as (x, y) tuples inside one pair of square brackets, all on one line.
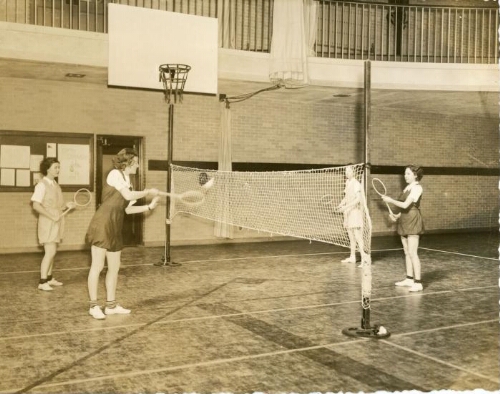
[(174, 77), (366, 330)]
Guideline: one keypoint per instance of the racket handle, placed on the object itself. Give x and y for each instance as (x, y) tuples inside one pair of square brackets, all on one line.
[(165, 194), (389, 208), (65, 212)]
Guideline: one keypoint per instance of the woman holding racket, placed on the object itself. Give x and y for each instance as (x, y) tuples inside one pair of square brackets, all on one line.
[(353, 216), (410, 225), (105, 229), (48, 201)]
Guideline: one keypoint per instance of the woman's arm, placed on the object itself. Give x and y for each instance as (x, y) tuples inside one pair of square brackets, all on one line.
[(354, 201), (413, 196), (131, 209), (42, 211), (401, 204), (130, 195)]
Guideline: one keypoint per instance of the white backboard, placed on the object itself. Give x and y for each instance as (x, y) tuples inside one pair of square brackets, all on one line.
[(141, 39)]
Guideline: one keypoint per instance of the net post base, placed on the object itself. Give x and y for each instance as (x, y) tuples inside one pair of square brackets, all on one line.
[(372, 332), (164, 263)]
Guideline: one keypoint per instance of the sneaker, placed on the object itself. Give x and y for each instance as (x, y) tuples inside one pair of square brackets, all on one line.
[(54, 282), (348, 260), (405, 283), (45, 286), (417, 287), (117, 310), (96, 313)]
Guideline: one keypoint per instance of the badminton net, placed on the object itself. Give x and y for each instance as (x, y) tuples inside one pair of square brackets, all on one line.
[(300, 204)]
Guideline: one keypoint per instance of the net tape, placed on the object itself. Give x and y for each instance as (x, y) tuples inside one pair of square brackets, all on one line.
[(298, 204)]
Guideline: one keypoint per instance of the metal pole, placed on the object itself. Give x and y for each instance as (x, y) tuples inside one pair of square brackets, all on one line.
[(166, 261), (366, 330), (169, 179), (365, 320), (366, 126)]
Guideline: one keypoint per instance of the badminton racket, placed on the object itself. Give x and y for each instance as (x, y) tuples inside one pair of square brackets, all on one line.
[(81, 198), (327, 199), (191, 197), (381, 190)]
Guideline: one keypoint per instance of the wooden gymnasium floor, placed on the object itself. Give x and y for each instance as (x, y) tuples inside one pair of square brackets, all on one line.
[(252, 317)]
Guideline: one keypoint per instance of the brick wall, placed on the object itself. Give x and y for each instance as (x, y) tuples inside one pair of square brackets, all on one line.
[(267, 128)]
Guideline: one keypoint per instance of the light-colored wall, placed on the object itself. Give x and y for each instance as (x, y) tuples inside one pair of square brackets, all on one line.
[(265, 129), (58, 45)]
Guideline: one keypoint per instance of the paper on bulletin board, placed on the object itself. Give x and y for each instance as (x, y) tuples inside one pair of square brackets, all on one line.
[(35, 162), (75, 164), (7, 177), (51, 149), (23, 178), (14, 156)]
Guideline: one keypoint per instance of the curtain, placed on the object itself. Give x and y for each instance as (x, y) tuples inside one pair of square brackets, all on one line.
[(222, 229), (225, 9), (294, 34), (311, 25)]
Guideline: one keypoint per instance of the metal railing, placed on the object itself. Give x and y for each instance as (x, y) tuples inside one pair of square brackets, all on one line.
[(246, 23), (350, 30), (345, 30)]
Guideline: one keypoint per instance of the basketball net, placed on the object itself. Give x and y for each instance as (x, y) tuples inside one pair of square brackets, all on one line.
[(174, 78), (298, 204)]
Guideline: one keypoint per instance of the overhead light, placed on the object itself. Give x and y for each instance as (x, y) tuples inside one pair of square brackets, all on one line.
[(73, 75)]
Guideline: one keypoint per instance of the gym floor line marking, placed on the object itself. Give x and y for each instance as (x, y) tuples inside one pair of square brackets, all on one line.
[(242, 258), (183, 262), (445, 328), (213, 317), (441, 361), (202, 261), (187, 366), (43, 380), (460, 254), (270, 354)]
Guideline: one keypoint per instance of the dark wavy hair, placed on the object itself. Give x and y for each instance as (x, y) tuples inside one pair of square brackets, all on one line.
[(417, 170), (46, 163), (124, 158)]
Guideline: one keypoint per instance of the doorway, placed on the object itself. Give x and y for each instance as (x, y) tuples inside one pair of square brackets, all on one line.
[(107, 147)]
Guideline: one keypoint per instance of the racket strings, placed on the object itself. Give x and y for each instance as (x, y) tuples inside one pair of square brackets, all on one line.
[(381, 190), (379, 187), (82, 197), (192, 198)]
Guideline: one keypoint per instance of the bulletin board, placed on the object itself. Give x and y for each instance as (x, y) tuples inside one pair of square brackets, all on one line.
[(21, 153)]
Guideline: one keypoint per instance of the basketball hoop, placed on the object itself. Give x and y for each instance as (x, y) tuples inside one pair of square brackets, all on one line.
[(174, 78)]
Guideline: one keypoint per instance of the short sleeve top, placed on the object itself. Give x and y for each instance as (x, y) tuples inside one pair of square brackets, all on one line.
[(40, 189), (119, 181), (415, 191), (352, 188)]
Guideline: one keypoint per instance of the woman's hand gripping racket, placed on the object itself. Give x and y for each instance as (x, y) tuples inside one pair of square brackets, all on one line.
[(381, 190), (81, 198)]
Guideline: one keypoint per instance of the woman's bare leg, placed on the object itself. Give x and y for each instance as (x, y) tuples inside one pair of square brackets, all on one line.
[(98, 259)]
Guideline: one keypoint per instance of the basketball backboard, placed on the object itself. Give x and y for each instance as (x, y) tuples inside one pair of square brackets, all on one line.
[(141, 39)]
